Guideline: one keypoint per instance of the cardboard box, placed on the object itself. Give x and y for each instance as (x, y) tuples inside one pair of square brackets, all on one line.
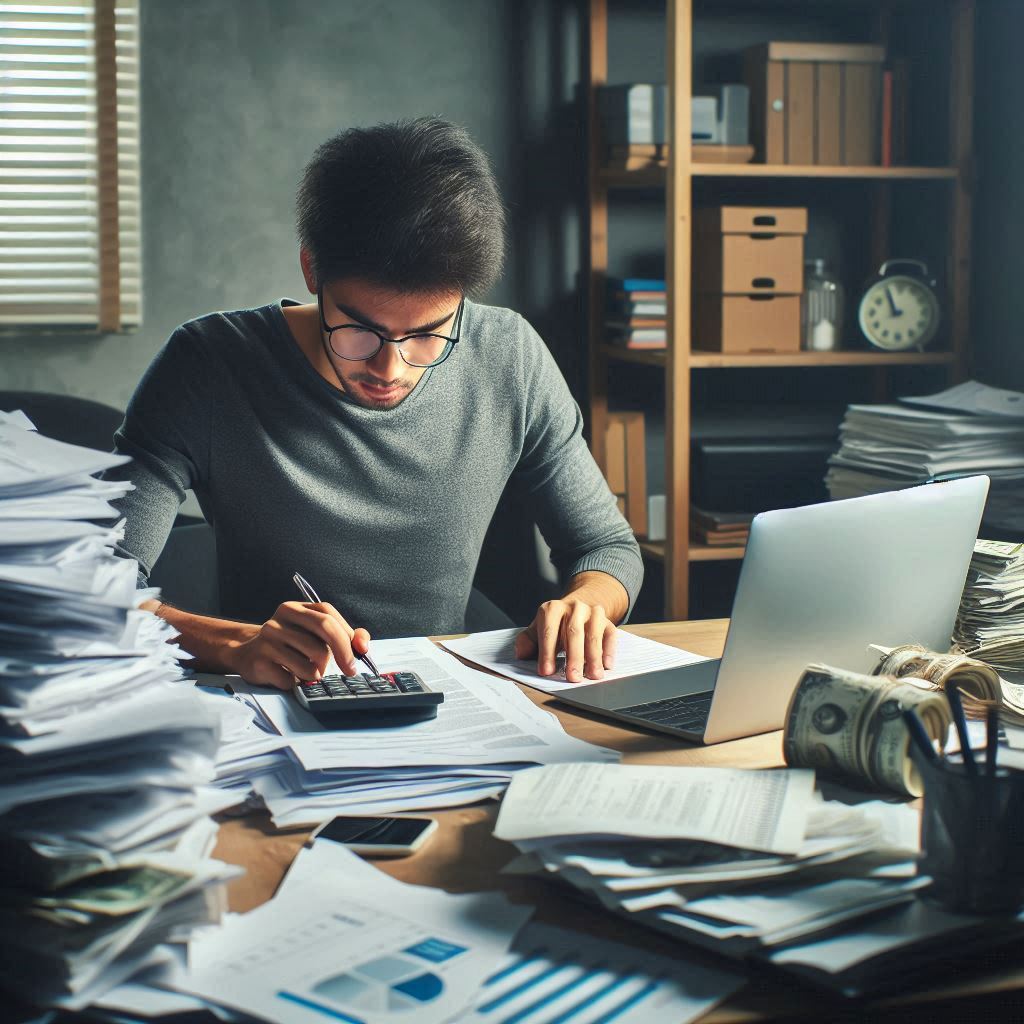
[(743, 250), (626, 466), (815, 103), (750, 264), (744, 324)]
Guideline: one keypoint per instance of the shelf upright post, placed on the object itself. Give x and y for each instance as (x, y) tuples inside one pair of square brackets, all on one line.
[(961, 96), (597, 234), (679, 65)]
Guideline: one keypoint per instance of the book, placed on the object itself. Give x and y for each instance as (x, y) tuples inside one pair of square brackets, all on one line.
[(624, 298), (646, 337), (637, 323), (887, 119), (639, 284)]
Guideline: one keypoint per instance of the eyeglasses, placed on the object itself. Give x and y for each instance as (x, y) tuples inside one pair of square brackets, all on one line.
[(357, 342)]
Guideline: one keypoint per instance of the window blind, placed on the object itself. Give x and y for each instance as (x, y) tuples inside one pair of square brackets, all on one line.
[(70, 248)]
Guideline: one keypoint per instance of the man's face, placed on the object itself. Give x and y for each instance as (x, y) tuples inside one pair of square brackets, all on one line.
[(385, 379)]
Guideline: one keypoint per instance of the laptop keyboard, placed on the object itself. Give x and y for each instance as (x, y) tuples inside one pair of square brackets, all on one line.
[(688, 713)]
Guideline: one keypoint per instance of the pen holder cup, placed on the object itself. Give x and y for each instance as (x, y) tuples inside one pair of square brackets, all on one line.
[(972, 837)]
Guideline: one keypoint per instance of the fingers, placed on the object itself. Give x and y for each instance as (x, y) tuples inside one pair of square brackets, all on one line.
[(548, 630), (262, 671), (581, 630), (298, 648), (593, 643), (526, 643), (611, 639), (360, 641), (324, 622), (575, 640)]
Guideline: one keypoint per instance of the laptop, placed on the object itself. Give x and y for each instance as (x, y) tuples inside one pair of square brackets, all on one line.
[(818, 584)]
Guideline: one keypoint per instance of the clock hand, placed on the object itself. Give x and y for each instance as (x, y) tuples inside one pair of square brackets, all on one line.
[(892, 304)]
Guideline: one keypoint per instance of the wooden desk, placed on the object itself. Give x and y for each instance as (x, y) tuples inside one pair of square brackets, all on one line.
[(465, 857)]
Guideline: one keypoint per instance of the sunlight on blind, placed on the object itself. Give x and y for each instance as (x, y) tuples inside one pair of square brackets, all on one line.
[(52, 189)]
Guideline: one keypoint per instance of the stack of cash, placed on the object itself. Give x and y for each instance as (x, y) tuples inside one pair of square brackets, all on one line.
[(850, 727), (990, 625), (979, 684), (105, 750)]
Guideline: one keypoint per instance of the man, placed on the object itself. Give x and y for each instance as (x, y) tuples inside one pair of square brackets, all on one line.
[(363, 439)]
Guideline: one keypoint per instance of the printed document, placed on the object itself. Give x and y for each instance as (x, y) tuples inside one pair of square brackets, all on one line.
[(343, 941), (634, 655), (482, 721), (755, 810)]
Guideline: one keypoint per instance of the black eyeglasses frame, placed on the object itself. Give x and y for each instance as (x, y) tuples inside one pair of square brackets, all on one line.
[(450, 342)]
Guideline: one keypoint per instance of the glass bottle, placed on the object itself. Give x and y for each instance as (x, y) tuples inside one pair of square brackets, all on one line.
[(821, 308)]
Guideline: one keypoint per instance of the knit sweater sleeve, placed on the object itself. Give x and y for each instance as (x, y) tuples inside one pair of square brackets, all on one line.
[(166, 432), (575, 510)]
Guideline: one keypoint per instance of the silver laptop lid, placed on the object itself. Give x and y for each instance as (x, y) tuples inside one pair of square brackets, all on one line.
[(821, 583)]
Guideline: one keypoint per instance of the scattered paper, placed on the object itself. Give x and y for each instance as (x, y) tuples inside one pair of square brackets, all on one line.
[(634, 655), (755, 810)]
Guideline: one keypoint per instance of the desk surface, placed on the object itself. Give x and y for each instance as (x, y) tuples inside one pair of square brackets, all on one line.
[(465, 857)]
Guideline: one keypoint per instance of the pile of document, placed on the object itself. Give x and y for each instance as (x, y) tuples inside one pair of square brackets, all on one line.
[(342, 940), (485, 731), (967, 430), (990, 623), (105, 754), (740, 862)]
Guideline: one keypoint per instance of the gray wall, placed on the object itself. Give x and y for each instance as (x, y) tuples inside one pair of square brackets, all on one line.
[(235, 96)]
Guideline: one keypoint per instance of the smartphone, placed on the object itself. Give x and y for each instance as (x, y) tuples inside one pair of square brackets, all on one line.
[(378, 837)]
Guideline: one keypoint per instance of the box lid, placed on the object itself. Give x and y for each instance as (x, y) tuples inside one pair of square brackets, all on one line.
[(752, 220)]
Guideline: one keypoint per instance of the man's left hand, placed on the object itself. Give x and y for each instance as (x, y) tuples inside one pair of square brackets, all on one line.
[(581, 624)]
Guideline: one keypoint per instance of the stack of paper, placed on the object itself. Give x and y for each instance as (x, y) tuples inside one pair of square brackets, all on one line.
[(967, 430), (990, 623), (305, 773), (104, 753), (400, 949), (730, 859)]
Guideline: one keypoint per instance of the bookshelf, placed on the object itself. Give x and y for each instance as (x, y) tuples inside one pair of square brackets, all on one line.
[(681, 365)]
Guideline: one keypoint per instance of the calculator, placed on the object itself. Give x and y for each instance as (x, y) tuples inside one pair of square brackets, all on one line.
[(392, 698)]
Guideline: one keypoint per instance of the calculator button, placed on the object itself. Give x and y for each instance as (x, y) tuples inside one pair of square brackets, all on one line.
[(338, 689), (313, 690), (410, 687)]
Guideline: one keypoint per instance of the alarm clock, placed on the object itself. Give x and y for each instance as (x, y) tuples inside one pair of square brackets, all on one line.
[(900, 308)]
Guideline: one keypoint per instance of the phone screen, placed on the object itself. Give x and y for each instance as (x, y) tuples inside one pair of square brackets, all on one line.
[(375, 831)]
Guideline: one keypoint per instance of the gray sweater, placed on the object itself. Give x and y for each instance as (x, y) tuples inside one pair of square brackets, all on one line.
[(383, 511)]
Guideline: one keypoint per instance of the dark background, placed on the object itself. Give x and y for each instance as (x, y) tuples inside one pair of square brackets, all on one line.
[(237, 93)]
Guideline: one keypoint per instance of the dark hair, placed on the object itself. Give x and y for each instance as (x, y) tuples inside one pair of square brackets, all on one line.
[(412, 205)]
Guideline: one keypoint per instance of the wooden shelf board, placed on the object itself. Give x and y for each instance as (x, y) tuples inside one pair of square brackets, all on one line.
[(652, 177), (698, 552), (649, 356), (712, 360), (718, 360)]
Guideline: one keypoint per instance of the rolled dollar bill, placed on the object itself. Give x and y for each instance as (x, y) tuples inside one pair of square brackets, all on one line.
[(979, 684), (850, 727)]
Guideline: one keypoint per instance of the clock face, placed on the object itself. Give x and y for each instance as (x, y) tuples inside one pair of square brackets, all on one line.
[(899, 313)]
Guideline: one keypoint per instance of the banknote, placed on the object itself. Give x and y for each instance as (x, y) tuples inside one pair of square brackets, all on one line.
[(980, 685), (850, 727), (114, 893)]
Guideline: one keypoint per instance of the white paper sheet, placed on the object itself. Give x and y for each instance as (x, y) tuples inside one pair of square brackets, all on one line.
[(755, 810), (343, 940), (634, 655), (482, 721)]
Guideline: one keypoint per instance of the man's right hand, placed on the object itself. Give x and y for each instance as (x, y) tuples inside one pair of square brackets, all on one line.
[(296, 643)]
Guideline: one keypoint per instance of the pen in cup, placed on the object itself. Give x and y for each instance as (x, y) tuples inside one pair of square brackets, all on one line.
[(311, 595)]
